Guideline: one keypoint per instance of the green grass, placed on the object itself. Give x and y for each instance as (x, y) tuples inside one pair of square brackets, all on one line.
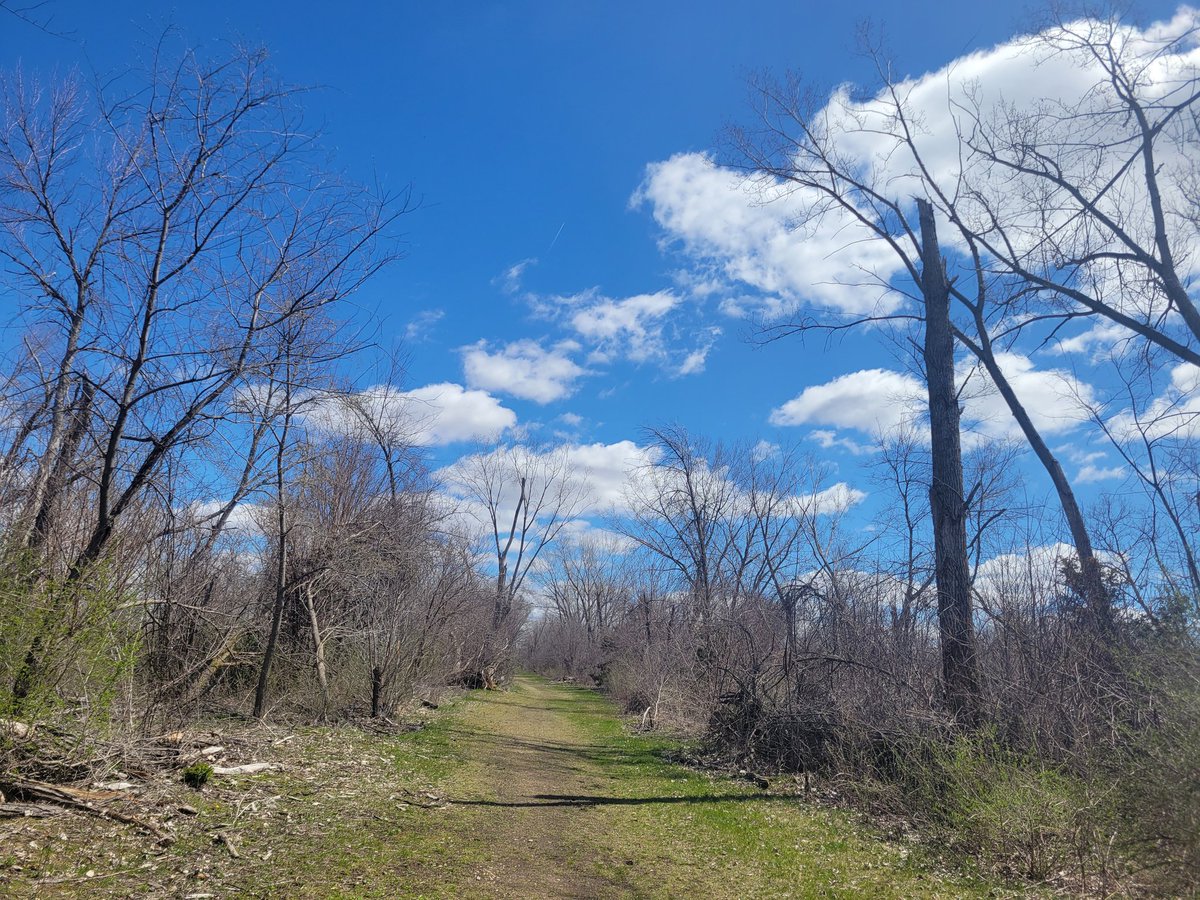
[(728, 830)]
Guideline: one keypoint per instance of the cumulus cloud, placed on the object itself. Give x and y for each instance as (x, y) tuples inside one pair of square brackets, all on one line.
[(593, 479), (1030, 572), (631, 327), (750, 235), (642, 328), (523, 369), (870, 401), (447, 413), (1090, 474), (833, 499), (880, 401), (607, 470), (1055, 399), (764, 450), (431, 416), (243, 519), (790, 245)]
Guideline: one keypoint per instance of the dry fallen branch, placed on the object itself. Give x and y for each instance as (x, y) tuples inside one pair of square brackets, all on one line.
[(83, 801), (56, 793), (222, 838), (246, 768), (29, 810)]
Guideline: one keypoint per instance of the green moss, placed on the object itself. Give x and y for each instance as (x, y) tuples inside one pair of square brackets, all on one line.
[(196, 775)]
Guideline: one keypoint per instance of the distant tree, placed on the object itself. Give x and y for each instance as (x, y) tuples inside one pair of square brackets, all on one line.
[(523, 500)]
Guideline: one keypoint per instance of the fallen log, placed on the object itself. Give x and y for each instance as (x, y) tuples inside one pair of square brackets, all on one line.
[(29, 810), (246, 769), (56, 793)]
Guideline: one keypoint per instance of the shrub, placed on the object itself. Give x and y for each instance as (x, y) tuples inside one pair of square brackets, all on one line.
[(66, 645), (196, 775)]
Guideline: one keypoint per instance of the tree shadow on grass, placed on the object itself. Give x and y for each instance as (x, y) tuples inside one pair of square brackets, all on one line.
[(588, 800), (608, 759)]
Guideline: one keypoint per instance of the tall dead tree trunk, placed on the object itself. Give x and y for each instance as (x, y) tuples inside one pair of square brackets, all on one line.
[(960, 667)]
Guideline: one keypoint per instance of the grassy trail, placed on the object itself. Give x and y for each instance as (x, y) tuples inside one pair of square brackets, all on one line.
[(553, 799), (534, 792)]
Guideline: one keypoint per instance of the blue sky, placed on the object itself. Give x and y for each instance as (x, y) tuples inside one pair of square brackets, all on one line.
[(546, 266)]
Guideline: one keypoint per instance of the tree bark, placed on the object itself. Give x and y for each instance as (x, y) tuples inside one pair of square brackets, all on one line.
[(960, 667), (318, 648)]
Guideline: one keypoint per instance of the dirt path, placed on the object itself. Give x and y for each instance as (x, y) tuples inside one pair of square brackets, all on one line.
[(534, 780)]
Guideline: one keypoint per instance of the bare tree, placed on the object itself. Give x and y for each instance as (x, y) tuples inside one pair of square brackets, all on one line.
[(523, 499), (159, 239), (800, 146), (1089, 199), (947, 498)]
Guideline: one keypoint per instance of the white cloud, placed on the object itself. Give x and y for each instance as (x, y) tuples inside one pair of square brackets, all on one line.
[(1055, 399), (748, 233), (870, 401), (422, 323), (602, 471), (833, 499), (764, 450), (1173, 414), (524, 369), (793, 247), (456, 415), (879, 401), (694, 362), (510, 280), (828, 439), (243, 519), (607, 469), (643, 328), (630, 327), (1031, 573), (431, 416), (1090, 474)]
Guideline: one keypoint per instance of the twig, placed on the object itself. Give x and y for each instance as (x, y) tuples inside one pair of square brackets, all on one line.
[(222, 838), (70, 879)]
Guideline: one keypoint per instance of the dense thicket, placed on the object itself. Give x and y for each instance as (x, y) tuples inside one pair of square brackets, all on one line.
[(195, 509)]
